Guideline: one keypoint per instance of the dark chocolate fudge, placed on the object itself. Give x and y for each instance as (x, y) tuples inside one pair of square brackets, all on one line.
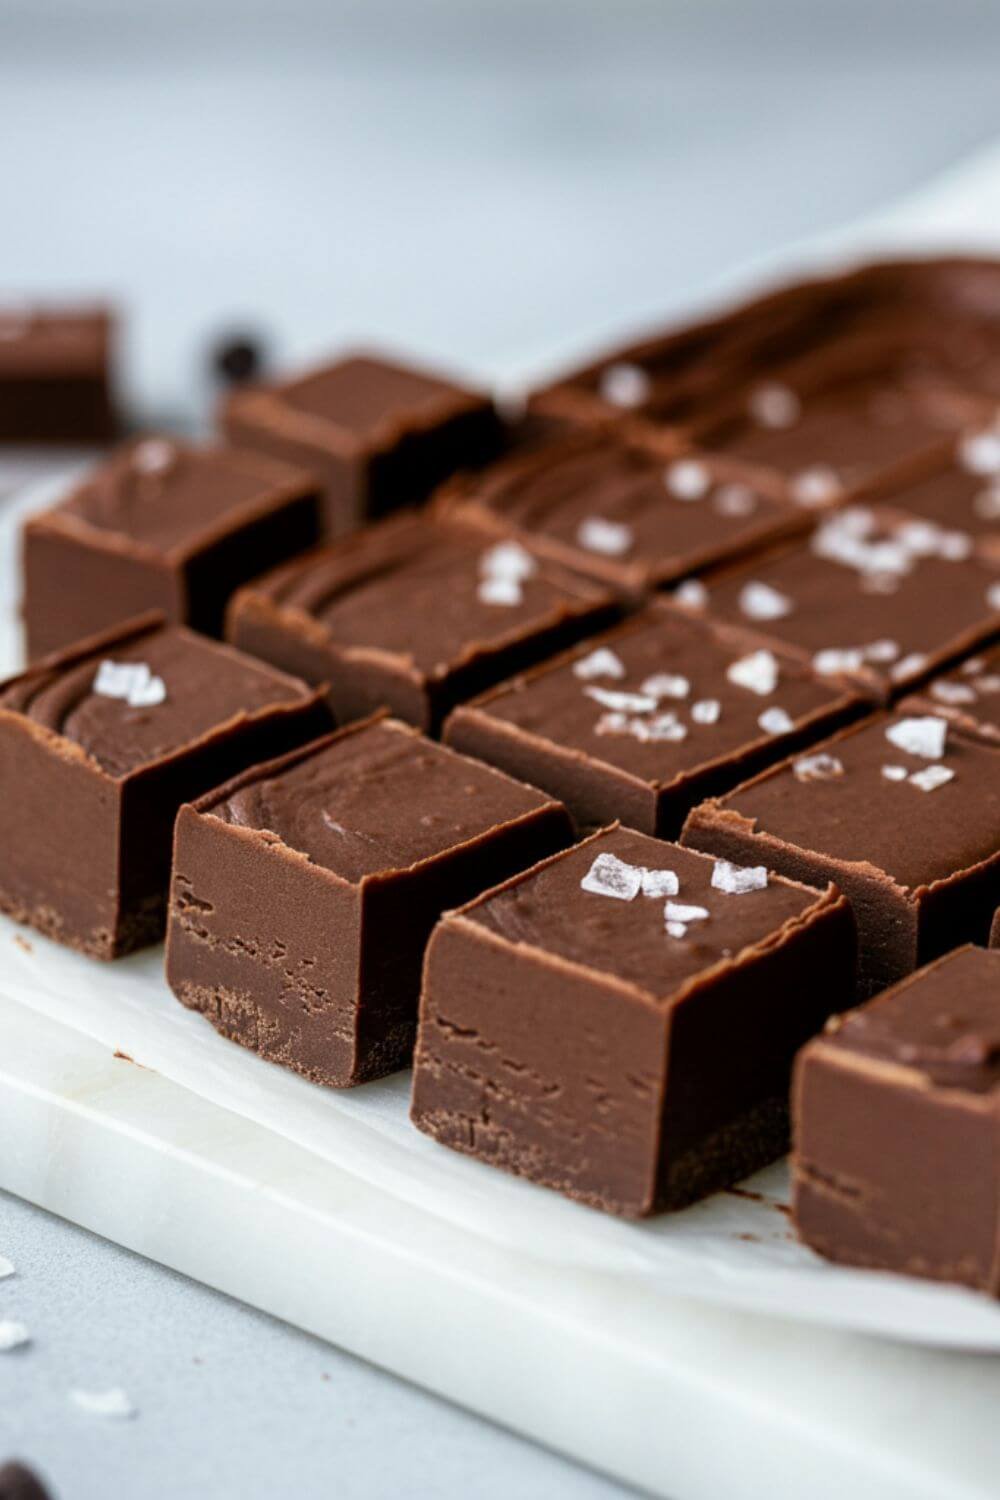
[(619, 1023), (162, 525), (55, 375), (901, 811), (969, 695), (304, 892), (882, 597), (643, 722), (377, 434), (99, 747), (414, 614), (897, 1115), (19, 1483), (632, 515)]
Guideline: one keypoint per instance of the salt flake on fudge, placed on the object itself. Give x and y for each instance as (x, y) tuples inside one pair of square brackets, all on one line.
[(925, 736), (601, 662), (759, 672), (131, 681), (610, 538), (687, 479), (759, 601), (611, 876), (818, 767), (737, 880)]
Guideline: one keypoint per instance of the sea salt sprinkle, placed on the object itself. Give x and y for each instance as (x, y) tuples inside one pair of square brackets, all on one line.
[(925, 736), (759, 601), (502, 591), (601, 662), (979, 452), (659, 728), (666, 685), (774, 405), (736, 880), (691, 594), (953, 692), (993, 596), (12, 1335), (908, 666), (734, 499), (894, 773), (706, 711), (131, 681), (620, 702), (660, 883), (758, 672), (775, 721), (818, 767), (678, 916), (625, 384), (110, 1403), (611, 876), (815, 486), (610, 538), (503, 568), (153, 456), (931, 777), (687, 479)]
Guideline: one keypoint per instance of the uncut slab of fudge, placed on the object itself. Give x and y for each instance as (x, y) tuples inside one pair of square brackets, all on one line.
[(631, 514), (897, 1113), (55, 375), (882, 597), (304, 892), (901, 811), (619, 1023), (942, 316), (99, 746), (162, 525), (641, 723), (376, 433), (968, 695), (415, 615)]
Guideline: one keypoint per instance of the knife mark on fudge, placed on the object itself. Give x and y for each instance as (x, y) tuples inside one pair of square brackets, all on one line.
[(55, 374), (379, 434), (901, 811), (631, 515), (884, 598), (897, 1109), (583, 1027), (643, 722), (161, 525), (304, 892), (100, 745), (416, 615)]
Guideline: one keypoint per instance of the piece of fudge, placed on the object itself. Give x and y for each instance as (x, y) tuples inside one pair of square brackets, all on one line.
[(17, 1482), (968, 695), (631, 514), (874, 594), (304, 892), (896, 1119), (376, 433), (161, 525), (641, 723), (901, 811), (414, 614), (619, 1023), (100, 745), (958, 488), (55, 374)]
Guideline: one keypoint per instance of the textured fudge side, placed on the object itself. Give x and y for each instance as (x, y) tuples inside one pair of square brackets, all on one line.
[(897, 1128), (568, 1034), (98, 749), (901, 812), (161, 525), (304, 892), (378, 434)]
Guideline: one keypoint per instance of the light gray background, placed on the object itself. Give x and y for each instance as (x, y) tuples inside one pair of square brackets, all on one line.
[(496, 186)]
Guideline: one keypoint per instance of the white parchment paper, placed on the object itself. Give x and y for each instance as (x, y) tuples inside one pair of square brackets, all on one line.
[(736, 1247)]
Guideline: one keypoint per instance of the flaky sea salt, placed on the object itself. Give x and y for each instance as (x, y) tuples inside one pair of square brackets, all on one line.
[(508, 560), (611, 876), (660, 883), (835, 659), (908, 666), (774, 405), (131, 681), (775, 721), (993, 596), (931, 777), (894, 773), (503, 591), (706, 711), (602, 662), (881, 651), (819, 767), (609, 538), (109, 1403), (952, 692), (687, 479), (734, 499), (759, 672), (925, 735), (666, 685), (153, 456), (815, 486), (625, 384), (759, 601), (626, 703), (12, 1335), (677, 911), (979, 452), (736, 880), (676, 929), (691, 594)]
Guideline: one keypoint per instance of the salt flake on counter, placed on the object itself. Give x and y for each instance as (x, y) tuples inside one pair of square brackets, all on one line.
[(819, 767), (12, 1335), (109, 1403), (610, 538), (706, 711), (602, 662), (759, 601), (775, 721), (625, 384), (611, 876), (931, 777), (926, 736), (758, 672), (736, 880), (666, 685), (660, 883), (687, 479)]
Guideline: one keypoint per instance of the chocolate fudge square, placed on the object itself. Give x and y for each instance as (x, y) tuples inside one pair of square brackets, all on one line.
[(415, 615), (162, 525), (55, 374), (901, 811), (958, 488), (882, 597), (100, 745), (376, 433), (643, 722), (619, 1023), (633, 515), (305, 891), (897, 1115), (968, 695)]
